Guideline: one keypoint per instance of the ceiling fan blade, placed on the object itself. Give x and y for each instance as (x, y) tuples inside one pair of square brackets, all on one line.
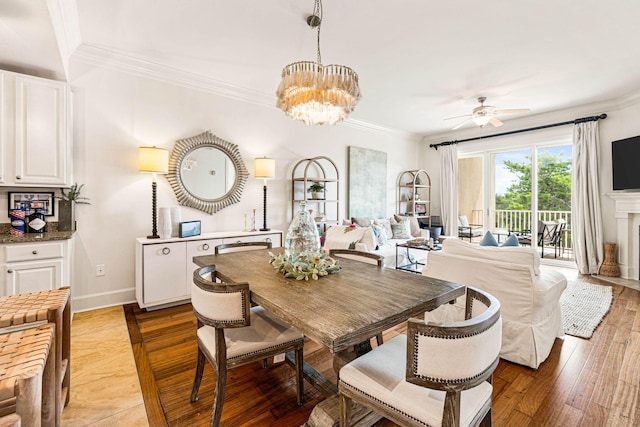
[(495, 122), (459, 125), (513, 111), (459, 117)]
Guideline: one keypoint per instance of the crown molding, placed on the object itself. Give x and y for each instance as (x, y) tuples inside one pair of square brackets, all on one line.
[(64, 20), (119, 61)]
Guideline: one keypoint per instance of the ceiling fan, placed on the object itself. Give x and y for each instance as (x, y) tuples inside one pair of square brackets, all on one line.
[(486, 114)]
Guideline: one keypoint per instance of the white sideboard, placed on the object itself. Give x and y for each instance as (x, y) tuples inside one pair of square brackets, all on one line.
[(164, 267)]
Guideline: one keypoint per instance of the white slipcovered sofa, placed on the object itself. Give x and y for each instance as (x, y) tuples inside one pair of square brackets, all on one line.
[(529, 296), (377, 236)]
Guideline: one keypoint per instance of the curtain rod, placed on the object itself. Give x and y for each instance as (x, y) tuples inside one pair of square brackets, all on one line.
[(571, 122)]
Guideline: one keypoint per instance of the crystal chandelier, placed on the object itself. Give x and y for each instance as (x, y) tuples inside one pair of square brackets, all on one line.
[(314, 93)]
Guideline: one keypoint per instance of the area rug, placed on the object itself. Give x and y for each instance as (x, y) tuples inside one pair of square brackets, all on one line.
[(584, 305)]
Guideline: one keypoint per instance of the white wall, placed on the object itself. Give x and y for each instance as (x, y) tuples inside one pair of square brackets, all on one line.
[(621, 122), (116, 112)]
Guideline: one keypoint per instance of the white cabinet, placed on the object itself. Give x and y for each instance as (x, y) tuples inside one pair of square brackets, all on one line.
[(36, 136), (33, 267), (164, 268)]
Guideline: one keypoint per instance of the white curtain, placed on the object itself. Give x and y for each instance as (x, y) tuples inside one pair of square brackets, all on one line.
[(586, 217), (449, 189)]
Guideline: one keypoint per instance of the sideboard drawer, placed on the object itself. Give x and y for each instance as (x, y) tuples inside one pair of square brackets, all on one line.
[(34, 251)]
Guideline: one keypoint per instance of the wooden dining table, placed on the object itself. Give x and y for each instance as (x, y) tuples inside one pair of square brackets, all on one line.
[(341, 311)]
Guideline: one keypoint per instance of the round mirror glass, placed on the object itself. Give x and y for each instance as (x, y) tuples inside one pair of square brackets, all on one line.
[(206, 172)]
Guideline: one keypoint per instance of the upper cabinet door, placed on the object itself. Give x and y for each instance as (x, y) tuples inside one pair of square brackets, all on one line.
[(42, 147)]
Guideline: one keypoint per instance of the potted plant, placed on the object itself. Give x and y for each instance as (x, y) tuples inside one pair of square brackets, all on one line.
[(316, 189), (66, 206)]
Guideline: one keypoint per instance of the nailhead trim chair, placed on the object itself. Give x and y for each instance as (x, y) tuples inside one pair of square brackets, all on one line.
[(438, 375), (231, 333)]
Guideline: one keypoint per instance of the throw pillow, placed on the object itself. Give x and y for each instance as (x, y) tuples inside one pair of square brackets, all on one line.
[(380, 234), (488, 240), (362, 222), (512, 240), (414, 226), (346, 222), (463, 221), (386, 224), (401, 229)]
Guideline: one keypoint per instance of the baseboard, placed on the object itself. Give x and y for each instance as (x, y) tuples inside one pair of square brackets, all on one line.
[(102, 300)]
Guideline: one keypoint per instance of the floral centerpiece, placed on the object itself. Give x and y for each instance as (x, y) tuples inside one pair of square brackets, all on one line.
[(304, 265)]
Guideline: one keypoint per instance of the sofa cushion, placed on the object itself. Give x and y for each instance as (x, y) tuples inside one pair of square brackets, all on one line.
[(362, 222), (512, 240), (488, 240), (342, 237), (522, 256), (414, 225), (401, 228), (386, 224), (380, 234)]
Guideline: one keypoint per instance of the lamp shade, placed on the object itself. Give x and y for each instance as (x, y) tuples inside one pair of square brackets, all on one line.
[(153, 159), (264, 168)]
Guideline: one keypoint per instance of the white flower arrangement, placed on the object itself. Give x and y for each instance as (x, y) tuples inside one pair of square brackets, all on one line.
[(304, 265)]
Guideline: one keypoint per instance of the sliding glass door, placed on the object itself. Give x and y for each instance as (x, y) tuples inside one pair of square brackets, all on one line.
[(525, 191)]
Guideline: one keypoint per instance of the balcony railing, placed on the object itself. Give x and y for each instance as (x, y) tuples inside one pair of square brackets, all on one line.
[(518, 220)]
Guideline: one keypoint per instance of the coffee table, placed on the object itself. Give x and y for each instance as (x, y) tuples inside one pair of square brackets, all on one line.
[(414, 266)]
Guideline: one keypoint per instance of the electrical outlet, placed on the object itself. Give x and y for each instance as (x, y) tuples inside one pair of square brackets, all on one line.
[(278, 358), (100, 270)]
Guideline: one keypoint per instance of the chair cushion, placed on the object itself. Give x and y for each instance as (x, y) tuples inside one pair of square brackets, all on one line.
[(380, 374), (266, 331)]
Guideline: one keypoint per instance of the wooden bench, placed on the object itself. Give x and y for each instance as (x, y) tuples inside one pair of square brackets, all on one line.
[(53, 306), (27, 375)]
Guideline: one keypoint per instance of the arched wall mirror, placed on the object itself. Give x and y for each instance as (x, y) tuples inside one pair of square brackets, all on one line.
[(206, 172)]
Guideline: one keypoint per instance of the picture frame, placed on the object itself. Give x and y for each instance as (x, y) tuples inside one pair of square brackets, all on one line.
[(189, 228), (30, 201), (421, 208)]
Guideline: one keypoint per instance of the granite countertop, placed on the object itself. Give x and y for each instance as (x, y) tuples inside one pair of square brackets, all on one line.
[(53, 234)]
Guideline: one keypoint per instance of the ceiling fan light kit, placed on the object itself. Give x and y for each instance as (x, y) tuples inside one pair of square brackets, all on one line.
[(314, 93), (485, 114)]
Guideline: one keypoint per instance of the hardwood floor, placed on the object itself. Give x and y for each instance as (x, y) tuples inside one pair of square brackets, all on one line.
[(583, 382)]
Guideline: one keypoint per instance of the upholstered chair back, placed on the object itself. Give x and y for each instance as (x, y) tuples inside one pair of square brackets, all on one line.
[(220, 304), (456, 355)]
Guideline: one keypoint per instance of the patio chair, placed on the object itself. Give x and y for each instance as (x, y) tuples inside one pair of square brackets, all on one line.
[(546, 235), (437, 374), (468, 231), (231, 334)]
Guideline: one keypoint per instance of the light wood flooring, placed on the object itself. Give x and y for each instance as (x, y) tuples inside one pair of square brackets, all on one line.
[(591, 382)]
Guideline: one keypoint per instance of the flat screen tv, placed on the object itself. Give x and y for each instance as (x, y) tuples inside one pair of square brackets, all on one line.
[(625, 159)]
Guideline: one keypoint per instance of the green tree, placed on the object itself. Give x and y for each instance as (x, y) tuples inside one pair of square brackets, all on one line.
[(554, 184)]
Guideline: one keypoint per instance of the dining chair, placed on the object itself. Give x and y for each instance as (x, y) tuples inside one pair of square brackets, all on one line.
[(231, 333), (446, 377), (362, 256), (242, 246)]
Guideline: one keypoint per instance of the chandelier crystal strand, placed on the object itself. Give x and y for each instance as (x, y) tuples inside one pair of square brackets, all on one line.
[(317, 94)]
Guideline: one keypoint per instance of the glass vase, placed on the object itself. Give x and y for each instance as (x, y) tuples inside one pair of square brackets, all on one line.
[(302, 235)]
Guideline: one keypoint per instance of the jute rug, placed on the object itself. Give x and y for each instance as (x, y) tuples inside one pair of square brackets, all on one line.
[(584, 305)]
